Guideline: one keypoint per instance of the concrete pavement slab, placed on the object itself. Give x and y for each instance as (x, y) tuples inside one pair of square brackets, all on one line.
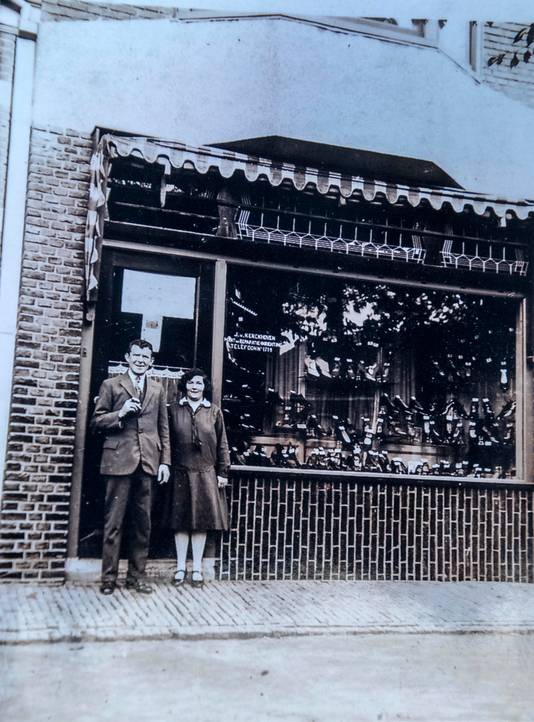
[(360, 678), (38, 613)]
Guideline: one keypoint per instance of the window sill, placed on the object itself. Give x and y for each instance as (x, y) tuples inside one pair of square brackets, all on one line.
[(327, 475)]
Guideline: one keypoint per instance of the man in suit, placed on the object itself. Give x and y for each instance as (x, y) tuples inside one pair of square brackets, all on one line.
[(131, 411)]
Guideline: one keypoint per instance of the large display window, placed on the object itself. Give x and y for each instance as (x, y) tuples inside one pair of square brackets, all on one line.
[(326, 373)]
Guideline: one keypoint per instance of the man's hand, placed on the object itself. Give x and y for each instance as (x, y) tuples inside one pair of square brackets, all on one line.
[(163, 474), (222, 481), (130, 406)]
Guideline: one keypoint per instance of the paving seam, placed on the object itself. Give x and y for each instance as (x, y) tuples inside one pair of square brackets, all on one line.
[(199, 633)]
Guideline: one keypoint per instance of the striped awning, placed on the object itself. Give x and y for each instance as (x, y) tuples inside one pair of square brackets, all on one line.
[(204, 159)]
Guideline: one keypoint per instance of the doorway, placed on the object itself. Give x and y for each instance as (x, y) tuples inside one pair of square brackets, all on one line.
[(168, 300)]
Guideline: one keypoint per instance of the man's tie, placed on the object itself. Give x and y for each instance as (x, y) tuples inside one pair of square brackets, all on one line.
[(138, 389)]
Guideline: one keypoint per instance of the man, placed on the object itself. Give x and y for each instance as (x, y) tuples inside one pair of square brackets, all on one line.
[(131, 411)]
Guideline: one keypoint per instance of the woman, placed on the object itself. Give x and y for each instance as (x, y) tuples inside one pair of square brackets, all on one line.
[(200, 464)]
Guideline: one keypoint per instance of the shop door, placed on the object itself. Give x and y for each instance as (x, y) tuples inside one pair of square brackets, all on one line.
[(168, 300)]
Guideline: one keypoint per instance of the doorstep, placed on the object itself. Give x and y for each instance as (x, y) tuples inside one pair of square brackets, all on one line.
[(88, 570)]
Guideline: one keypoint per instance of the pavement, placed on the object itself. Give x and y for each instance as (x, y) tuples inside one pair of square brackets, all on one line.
[(328, 678), (76, 612)]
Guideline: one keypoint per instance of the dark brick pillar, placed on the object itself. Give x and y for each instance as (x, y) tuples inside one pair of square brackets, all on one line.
[(35, 503)]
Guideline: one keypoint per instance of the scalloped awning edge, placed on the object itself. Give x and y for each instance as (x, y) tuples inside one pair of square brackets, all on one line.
[(206, 158)]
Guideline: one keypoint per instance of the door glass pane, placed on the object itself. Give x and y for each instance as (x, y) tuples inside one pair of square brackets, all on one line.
[(161, 309)]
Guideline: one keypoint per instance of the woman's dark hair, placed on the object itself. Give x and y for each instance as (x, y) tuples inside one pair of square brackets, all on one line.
[(189, 375)]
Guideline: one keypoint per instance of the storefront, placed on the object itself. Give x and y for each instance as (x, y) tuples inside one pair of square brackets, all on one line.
[(344, 246), (368, 342)]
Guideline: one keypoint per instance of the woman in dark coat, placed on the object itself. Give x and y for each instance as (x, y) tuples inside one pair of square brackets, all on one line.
[(200, 464)]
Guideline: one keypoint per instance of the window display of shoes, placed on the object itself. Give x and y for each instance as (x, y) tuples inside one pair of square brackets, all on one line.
[(423, 370)]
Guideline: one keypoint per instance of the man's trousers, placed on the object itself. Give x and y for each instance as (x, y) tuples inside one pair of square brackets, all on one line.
[(133, 490)]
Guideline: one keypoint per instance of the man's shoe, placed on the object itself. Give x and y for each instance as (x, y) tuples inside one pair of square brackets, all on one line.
[(107, 587), (137, 585)]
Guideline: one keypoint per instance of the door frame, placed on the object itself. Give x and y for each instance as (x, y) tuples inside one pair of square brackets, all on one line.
[(73, 563)]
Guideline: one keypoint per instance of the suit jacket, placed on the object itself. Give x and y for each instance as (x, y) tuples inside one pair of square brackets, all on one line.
[(133, 440)]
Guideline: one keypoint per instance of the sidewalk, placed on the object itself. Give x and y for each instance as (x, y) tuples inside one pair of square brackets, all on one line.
[(76, 612)]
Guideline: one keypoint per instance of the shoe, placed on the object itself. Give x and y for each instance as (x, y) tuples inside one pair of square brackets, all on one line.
[(438, 370), (335, 371), (399, 403), (384, 373), (371, 372), (341, 434), (197, 579), (507, 410), (363, 373), (137, 585), (488, 411), (107, 588), (273, 397), (435, 438), (504, 379), (415, 406), (295, 398), (468, 370), (179, 578), (350, 373), (323, 367), (387, 404), (473, 412), (311, 366)]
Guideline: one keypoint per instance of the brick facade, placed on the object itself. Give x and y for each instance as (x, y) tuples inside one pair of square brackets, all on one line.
[(282, 527), (35, 504), (517, 82), (78, 10), (326, 528)]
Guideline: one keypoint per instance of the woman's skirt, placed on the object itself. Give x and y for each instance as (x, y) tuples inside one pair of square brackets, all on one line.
[(196, 502)]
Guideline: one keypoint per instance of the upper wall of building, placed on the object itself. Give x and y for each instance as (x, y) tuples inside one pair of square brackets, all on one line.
[(212, 81)]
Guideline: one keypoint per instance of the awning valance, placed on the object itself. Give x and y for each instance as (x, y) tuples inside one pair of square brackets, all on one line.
[(204, 159)]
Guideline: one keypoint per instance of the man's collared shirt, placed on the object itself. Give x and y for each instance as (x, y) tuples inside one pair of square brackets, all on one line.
[(137, 381)]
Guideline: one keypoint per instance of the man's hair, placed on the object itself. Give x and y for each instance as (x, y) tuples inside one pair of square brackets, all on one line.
[(142, 344)]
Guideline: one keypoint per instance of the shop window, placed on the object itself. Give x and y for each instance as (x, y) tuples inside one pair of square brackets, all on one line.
[(325, 373)]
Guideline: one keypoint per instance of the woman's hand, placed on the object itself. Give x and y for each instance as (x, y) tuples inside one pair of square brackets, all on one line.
[(222, 481)]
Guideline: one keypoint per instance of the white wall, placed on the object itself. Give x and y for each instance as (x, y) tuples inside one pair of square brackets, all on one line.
[(454, 41), (205, 82)]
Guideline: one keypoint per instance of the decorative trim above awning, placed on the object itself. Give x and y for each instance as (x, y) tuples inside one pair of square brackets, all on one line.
[(204, 159)]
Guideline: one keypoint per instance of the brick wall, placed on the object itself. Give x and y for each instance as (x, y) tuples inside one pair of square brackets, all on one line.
[(302, 528), (79, 10), (517, 82), (35, 504), (7, 64)]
